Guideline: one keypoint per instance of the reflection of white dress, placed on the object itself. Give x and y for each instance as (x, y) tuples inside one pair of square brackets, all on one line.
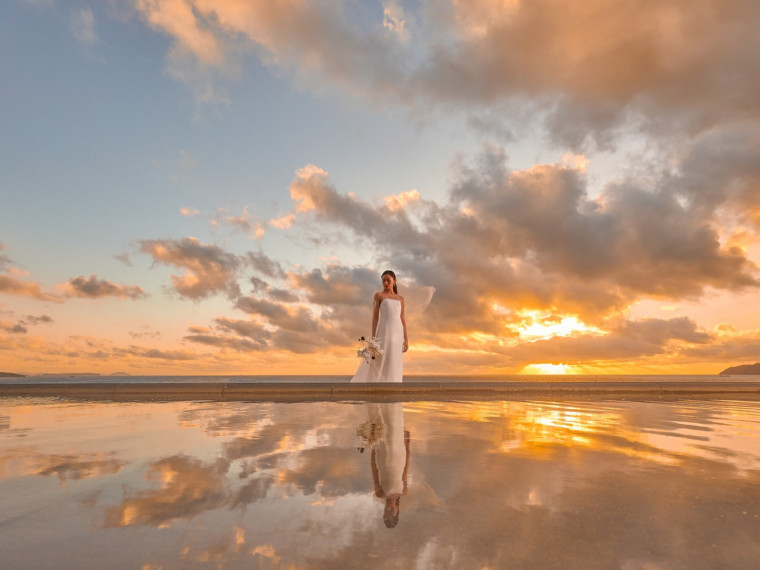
[(391, 450), (390, 335)]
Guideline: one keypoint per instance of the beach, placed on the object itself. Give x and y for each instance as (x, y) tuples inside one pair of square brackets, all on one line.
[(527, 475), (324, 389)]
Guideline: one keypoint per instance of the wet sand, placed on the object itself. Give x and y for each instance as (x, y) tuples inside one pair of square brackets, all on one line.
[(407, 391)]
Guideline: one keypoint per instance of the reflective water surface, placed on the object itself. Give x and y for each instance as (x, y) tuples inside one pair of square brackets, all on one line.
[(567, 484)]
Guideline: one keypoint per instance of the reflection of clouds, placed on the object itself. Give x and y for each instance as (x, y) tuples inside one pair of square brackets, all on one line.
[(187, 488), (25, 461), (330, 472), (227, 419), (573, 484)]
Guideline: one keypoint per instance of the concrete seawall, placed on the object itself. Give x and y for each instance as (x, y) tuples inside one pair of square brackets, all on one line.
[(408, 391)]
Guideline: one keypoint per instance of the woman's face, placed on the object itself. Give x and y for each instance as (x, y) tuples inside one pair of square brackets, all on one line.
[(387, 282)]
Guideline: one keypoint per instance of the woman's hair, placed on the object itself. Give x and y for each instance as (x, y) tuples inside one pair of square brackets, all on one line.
[(390, 517), (389, 272)]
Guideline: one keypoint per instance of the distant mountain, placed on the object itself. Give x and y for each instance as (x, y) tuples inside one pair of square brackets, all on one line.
[(742, 369), (11, 375)]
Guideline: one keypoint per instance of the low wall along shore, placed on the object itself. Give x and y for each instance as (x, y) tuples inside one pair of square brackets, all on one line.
[(407, 391)]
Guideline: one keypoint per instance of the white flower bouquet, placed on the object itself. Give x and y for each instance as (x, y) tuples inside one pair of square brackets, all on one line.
[(371, 349)]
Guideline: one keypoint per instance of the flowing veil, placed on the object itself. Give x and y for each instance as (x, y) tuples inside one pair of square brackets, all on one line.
[(416, 297)]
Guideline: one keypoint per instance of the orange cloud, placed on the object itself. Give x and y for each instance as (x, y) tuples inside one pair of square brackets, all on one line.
[(402, 200), (209, 269), (12, 282), (283, 222), (586, 67), (177, 19)]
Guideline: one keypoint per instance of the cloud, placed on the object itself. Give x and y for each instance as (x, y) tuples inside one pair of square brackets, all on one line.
[(189, 212), (283, 222), (264, 264), (628, 340), (35, 320), (94, 288), (124, 258), (208, 268), (337, 285), (587, 68), (17, 328), (13, 285), (541, 241), (244, 223), (402, 200), (145, 334), (154, 353), (177, 19), (394, 20), (12, 282), (226, 342), (20, 327), (82, 24), (293, 328)]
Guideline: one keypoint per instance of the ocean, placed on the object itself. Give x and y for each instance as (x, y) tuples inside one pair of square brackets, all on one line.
[(333, 379)]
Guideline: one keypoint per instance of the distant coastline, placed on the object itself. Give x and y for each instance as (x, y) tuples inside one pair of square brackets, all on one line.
[(742, 369), (11, 375)]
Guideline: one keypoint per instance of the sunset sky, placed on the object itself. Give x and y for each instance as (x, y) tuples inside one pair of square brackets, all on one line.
[(215, 186)]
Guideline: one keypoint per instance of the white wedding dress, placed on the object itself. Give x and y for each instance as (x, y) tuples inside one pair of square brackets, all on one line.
[(390, 336)]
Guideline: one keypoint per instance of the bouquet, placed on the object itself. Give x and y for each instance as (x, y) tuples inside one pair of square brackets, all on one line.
[(371, 349)]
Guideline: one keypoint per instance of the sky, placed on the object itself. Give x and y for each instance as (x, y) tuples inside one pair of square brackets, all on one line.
[(214, 187)]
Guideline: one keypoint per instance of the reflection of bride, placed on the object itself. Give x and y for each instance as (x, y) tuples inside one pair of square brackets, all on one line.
[(389, 328), (389, 458)]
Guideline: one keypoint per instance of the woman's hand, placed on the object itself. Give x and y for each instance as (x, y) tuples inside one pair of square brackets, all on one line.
[(406, 345)]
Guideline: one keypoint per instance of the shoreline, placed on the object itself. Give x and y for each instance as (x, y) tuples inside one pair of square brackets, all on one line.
[(407, 391)]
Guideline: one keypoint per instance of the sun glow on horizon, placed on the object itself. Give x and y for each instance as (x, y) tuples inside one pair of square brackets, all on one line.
[(547, 368)]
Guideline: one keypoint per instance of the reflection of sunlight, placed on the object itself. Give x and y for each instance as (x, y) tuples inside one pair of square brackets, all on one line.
[(535, 428)]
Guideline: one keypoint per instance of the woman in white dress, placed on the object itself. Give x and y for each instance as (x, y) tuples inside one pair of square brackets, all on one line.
[(389, 327)]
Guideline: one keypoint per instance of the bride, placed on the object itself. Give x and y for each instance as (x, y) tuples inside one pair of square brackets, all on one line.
[(389, 327)]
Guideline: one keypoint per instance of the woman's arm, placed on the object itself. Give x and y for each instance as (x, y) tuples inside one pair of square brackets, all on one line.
[(403, 322)]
